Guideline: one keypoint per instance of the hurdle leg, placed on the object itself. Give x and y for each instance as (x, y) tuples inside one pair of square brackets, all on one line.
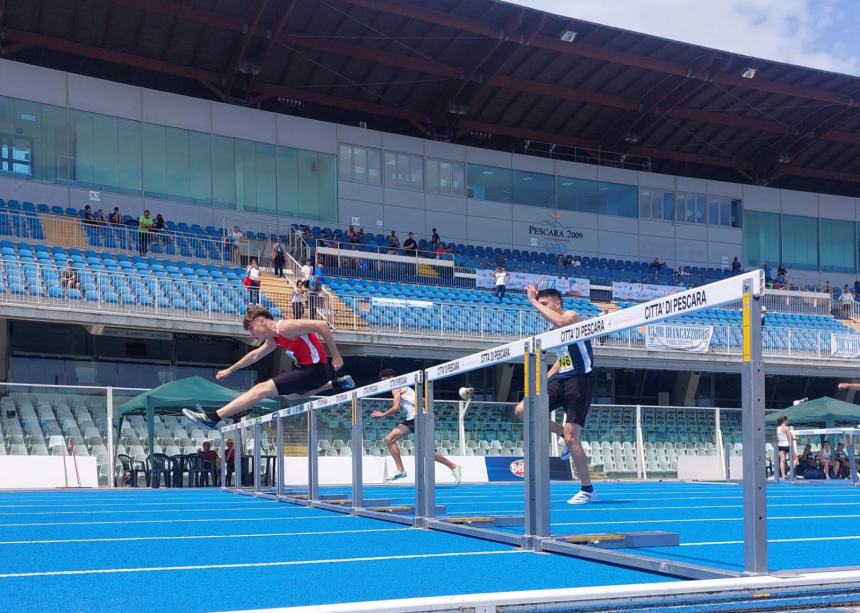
[(357, 456), (313, 457), (852, 461), (279, 455), (536, 490)]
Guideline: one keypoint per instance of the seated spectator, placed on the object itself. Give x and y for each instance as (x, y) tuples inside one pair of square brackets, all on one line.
[(410, 244), (439, 250), (352, 235), (116, 216), (577, 262), (100, 217), (736, 266), (69, 276), (806, 461), (840, 462), (158, 225), (655, 263), (360, 235), (210, 457), (825, 459), (307, 235), (322, 240)]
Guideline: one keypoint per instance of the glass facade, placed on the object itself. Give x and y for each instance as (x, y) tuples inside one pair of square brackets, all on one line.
[(48, 143), (761, 238), (404, 171), (595, 197), (445, 177), (656, 204), (805, 243), (359, 164)]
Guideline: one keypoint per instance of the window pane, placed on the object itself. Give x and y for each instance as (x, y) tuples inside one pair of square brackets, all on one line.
[(105, 152), (616, 199), (345, 162), (416, 179), (800, 242), (533, 188), (761, 238), (359, 164), (288, 179), (154, 161), (200, 167), (668, 208), (307, 186), (373, 174), (736, 213), (837, 245), (51, 162), (644, 203), (489, 183), (432, 174), (265, 178), (390, 169), (701, 210), (178, 164), (129, 156), (578, 195), (402, 170), (81, 147), (458, 178), (223, 172)]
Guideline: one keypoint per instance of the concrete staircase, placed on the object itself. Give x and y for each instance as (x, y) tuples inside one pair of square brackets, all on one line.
[(854, 325), (60, 231), (280, 291)]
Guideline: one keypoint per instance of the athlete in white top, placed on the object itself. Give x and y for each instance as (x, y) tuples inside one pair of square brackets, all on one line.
[(784, 441), (404, 402)]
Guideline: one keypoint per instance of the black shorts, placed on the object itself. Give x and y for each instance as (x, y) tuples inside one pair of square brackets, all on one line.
[(303, 380), (409, 423), (783, 449), (573, 394)]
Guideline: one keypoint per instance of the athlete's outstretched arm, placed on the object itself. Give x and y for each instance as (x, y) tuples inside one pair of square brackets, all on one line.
[(255, 355), (296, 327), (395, 406)]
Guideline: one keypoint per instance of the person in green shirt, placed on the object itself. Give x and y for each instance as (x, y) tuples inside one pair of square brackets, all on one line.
[(144, 227)]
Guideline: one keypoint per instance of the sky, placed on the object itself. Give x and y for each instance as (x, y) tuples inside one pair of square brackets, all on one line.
[(814, 33)]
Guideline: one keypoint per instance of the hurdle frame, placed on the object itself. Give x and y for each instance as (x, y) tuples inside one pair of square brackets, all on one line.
[(746, 288)]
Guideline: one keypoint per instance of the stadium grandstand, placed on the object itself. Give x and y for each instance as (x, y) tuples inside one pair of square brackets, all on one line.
[(384, 167)]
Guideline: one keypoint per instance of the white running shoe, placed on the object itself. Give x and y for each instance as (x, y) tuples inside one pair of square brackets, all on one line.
[(582, 497), (397, 476), (457, 471)]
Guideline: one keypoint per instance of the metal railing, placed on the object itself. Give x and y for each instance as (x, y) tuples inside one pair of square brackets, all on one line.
[(74, 233), (373, 263), (785, 301)]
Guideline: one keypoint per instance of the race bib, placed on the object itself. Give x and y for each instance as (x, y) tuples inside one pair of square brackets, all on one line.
[(565, 362)]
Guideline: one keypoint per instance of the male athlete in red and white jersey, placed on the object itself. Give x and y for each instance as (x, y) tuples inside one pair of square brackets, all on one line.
[(300, 339)]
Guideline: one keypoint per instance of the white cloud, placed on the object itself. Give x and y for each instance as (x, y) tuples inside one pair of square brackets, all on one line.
[(793, 31)]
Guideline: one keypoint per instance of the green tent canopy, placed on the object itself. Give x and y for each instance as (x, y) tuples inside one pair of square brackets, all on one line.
[(825, 410), (172, 397)]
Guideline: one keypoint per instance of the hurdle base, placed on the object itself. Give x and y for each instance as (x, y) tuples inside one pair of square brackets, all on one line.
[(622, 540), (481, 527), (344, 505)]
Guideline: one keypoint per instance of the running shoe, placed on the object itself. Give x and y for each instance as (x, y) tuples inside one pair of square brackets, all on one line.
[(583, 497), (457, 471), (345, 383), (565, 452), (397, 476), (200, 417)]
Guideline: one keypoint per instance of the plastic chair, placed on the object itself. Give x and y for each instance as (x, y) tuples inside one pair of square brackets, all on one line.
[(133, 468)]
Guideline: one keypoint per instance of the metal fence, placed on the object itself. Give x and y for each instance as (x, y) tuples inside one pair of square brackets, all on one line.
[(69, 232)]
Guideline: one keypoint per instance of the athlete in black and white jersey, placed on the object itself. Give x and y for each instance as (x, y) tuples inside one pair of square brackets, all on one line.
[(570, 385), (404, 402)]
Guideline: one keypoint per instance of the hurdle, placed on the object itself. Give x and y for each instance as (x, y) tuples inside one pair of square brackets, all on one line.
[(747, 289), (356, 503)]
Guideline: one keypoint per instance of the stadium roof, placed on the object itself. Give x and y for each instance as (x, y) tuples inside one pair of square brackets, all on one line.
[(475, 72)]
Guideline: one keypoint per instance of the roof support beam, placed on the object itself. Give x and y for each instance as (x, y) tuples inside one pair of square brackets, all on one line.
[(599, 53), (241, 47), (816, 173), (274, 37)]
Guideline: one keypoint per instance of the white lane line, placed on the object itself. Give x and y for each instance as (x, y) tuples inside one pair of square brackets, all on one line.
[(700, 519), (126, 539), (791, 540), (201, 503), (108, 571), (171, 521), (267, 507)]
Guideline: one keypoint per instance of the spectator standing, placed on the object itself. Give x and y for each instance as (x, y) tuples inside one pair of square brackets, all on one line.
[(229, 459), (298, 300), (236, 237), (857, 288), (279, 258), (501, 275), (434, 237), (100, 217), (306, 272), (393, 243), (846, 300), (768, 278), (784, 441), (116, 216), (144, 228), (410, 245), (736, 266), (828, 289), (89, 217), (69, 276), (253, 276), (313, 287)]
